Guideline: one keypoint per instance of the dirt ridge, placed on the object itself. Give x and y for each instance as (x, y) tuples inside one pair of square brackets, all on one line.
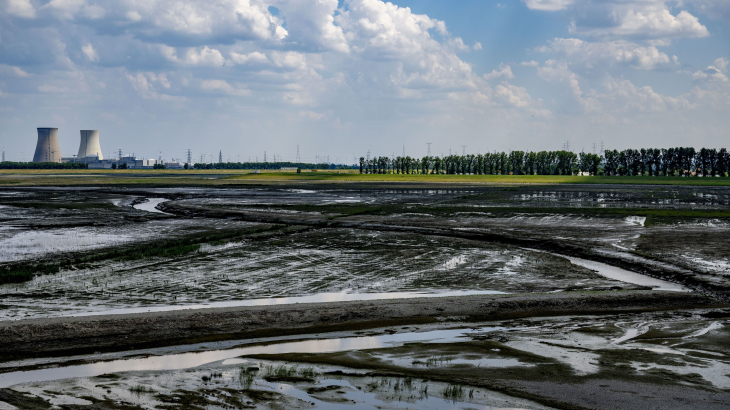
[(105, 333)]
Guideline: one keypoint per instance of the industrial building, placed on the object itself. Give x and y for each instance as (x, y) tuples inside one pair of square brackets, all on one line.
[(89, 146), (47, 149)]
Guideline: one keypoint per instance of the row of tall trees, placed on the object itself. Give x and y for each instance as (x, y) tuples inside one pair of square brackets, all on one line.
[(645, 161), (667, 162), (516, 162)]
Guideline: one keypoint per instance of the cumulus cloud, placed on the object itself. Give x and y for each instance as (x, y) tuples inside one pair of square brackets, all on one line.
[(12, 71), (505, 71), (633, 19), (223, 86), (178, 23), (623, 96), (591, 55), (255, 58), (69, 9), (559, 71), (382, 32), (311, 25), (143, 83), (548, 5), (89, 52), (645, 21), (713, 73), (20, 8)]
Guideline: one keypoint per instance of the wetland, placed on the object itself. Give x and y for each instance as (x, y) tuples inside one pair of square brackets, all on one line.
[(357, 295)]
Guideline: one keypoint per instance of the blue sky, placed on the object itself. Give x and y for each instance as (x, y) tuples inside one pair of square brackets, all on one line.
[(158, 77)]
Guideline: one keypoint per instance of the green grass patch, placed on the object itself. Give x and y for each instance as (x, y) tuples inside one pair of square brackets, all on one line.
[(234, 177)]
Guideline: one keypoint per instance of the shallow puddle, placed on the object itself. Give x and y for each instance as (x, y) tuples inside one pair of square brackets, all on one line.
[(151, 205), (194, 359)]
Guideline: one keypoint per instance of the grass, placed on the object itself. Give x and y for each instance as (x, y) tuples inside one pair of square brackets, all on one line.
[(234, 177), (246, 376), (165, 248), (269, 370), (138, 389), (454, 392)]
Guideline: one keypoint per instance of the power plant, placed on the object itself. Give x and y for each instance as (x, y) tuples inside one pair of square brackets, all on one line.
[(47, 149), (89, 146)]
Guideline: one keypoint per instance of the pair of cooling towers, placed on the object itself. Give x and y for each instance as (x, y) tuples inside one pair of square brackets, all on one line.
[(47, 149)]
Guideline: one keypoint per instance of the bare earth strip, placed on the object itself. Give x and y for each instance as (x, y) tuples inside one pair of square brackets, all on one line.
[(80, 335)]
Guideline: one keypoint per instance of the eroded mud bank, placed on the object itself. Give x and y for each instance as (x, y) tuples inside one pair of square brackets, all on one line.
[(63, 336)]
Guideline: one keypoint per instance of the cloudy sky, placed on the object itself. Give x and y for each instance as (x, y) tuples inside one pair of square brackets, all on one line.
[(341, 78)]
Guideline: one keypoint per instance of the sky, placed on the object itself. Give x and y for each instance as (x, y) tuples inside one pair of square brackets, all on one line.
[(248, 78)]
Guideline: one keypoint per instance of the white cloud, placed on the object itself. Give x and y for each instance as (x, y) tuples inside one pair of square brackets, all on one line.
[(12, 70), (289, 59), (90, 53), (477, 46), (647, 21), (310, 24), (548, 5), (721, 64), (592, 55), (634, 19), (532, 63), (381, 32), (206, 56), (20, 8), (255, 58), (134, 15), (713, 73), (69, 9), (146, 89), (222, 85), (623, 96), (505, 71)]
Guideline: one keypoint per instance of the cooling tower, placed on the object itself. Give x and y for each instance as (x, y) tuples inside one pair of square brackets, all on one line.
[(47, 149), (89, 146)]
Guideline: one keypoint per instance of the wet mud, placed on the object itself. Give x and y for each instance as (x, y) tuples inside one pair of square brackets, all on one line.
[(556, 323)]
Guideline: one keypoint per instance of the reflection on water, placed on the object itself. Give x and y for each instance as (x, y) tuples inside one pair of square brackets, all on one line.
[(150, 205), (194, 359), (623, 275), (320, 297)]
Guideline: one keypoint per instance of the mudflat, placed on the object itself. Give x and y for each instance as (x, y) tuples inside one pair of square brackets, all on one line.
[(78, 335)]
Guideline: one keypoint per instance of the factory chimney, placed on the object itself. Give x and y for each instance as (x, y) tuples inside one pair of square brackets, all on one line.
[(89, 146), (47, 149)]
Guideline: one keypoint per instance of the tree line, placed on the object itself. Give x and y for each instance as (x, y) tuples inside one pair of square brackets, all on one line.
[(629, 162), (42, 165)]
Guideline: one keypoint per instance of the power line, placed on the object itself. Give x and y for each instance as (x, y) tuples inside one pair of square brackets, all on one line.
[(429, 149), (298, 159)]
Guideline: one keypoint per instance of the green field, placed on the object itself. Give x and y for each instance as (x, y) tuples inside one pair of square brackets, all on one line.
[(246, 177)]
